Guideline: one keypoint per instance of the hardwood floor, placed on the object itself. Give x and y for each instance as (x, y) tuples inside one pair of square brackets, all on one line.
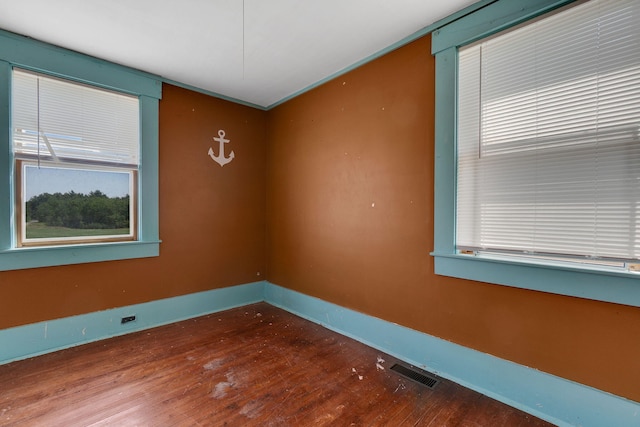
[(252, 366)]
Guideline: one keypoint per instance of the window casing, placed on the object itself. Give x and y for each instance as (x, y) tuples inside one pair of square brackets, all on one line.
[(142, 240), (454, 254)]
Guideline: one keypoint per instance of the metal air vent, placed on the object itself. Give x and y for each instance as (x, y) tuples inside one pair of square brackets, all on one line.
[(417, 375)]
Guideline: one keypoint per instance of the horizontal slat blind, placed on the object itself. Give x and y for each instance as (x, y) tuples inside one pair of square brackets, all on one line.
[(77, 123), (549, 136)]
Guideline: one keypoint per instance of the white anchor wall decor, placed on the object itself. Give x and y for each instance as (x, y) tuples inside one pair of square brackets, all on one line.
[(220, 158)]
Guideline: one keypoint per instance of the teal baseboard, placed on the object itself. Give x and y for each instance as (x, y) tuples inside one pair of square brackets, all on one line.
[(554, 399), (39, 338), (557, 400)]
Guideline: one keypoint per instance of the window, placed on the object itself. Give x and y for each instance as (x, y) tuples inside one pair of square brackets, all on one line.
[(79, 156), (549, 137), (538, 147), (77, 152)]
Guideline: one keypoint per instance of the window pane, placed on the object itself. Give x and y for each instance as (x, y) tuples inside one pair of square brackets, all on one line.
[(66, 205), (59, 120)]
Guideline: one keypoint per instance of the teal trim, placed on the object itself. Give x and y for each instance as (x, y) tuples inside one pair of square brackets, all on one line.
[(551, 398), (445, 147), (554, 399), (459, 14), (488, 20), (39, 338), (600, 285), (148, 205), (6, 163), (18, 51), (608, 286), (42, 57), (214, 94), (22, 258)]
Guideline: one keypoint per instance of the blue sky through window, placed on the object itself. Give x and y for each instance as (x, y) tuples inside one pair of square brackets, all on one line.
[(62, 180)]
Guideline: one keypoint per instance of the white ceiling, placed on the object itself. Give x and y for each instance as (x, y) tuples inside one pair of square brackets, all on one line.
[(256, 51)]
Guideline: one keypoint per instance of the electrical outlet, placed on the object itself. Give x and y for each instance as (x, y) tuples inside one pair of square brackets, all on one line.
[(127, 319)]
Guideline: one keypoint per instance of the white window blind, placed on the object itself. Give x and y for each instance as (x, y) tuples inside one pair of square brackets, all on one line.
[(549, 136), (63, 121)]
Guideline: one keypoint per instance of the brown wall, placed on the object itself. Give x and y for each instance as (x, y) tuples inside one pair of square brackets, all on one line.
[(212, 221), (350, 220)]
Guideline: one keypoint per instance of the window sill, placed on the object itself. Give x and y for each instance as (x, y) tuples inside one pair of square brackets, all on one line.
[(22, 258), (599, 284)]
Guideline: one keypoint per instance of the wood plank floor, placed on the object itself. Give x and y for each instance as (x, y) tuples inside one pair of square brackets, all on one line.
[(252, 366)]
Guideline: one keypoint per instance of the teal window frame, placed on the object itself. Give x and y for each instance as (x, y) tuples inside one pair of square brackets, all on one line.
[(599, 284), (21, 52)]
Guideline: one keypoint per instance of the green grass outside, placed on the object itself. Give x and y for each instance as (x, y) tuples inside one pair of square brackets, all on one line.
[(36, 230)]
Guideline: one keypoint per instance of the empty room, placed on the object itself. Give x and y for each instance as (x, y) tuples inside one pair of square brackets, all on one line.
[(350, 213)]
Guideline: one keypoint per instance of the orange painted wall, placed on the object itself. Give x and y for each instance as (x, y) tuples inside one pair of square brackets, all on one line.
[(350, 220), (212, 221), (344, 174)]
